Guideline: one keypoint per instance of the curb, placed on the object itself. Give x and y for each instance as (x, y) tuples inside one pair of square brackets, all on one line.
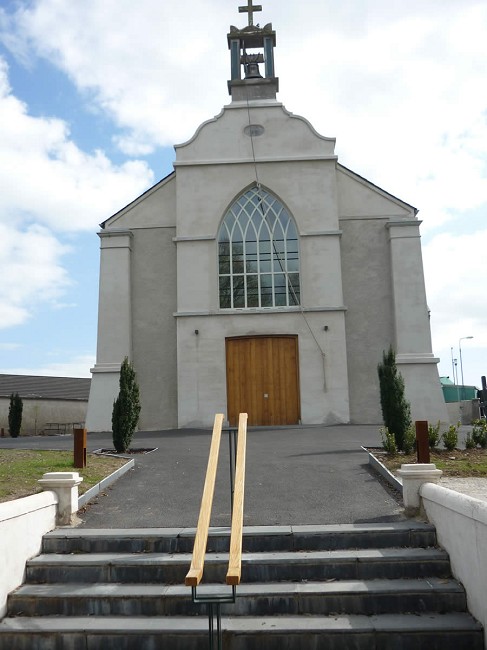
[(99, 487), (381, 469)]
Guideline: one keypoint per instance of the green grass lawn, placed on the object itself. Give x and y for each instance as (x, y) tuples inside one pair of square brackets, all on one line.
[(20, 469)]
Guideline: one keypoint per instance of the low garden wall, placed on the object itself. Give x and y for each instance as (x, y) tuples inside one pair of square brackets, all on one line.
[(461, 526), (23, 522)]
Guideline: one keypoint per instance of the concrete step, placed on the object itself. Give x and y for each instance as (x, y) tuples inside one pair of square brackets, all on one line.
[(282, 598), (384, 632), (255, 538), (258, 538), (361, 564)]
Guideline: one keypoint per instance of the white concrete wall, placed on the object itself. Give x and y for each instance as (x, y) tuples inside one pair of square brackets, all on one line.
[(213, 169), (202, 363), (23, 522), (369, 317), (114, 341), (461, 526), (349, 231), (136, 305), (385, 297), (37, 412), (154, 326), (423, 388), (222, 137)]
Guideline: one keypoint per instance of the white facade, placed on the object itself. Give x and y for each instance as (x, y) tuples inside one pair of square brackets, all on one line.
[(360, 269)]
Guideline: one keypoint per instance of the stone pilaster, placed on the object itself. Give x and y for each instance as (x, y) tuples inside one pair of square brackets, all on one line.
[(114, 326), (412, 344)]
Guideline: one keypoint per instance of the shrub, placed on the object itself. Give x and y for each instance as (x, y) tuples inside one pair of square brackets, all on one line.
[(126, 408), (409, 442), (479, 433), (434, 435), (388, 441), (396, 411), (15, 415), (469, 441), (450, 437)]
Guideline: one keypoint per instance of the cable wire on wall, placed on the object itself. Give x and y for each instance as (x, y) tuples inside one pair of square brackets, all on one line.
[(278, 257)]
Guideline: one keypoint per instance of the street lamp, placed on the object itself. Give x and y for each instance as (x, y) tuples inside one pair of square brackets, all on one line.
[(461, 364), (454, 368)]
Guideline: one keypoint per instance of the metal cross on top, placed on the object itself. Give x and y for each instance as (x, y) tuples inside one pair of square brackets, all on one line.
[(250, 8)]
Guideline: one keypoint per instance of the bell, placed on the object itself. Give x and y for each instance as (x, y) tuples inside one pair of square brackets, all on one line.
[(252, 71)]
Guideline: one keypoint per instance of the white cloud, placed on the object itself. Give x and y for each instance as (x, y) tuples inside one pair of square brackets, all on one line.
[(402, 89), (31, 271), (401, 86), (140, 62), (407, 103), (77, 366), (46, 178), (48, 185), (10, 346), (454, 278), (453, 267)]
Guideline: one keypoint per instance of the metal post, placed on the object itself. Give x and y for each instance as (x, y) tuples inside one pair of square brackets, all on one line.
[(461, 364), (215, 632), (422, 441), (79, 448)]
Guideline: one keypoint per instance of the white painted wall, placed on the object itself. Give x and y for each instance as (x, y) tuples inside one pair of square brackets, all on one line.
[(202, 363), (114, 341), (37, 412), (23, 522), (461, 526), (154, 326), (360, 271)]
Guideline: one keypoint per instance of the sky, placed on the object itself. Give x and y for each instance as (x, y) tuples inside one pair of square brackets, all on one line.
[(94, 94)]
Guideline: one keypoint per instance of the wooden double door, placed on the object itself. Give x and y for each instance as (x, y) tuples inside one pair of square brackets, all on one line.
[(263, 379)]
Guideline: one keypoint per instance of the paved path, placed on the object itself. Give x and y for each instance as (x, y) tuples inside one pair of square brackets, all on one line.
[(302, 475)]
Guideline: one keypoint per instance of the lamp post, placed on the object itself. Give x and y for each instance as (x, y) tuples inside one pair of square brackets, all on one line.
[(461, 364), (454, 368)]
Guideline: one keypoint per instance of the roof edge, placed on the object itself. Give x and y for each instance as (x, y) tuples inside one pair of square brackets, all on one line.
[(394, 198), (130, 205)]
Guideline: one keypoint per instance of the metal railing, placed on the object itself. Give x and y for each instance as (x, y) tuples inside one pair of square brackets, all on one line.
[(237, 487)]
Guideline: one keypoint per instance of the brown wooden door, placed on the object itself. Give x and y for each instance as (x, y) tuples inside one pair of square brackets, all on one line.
[(263, 379)]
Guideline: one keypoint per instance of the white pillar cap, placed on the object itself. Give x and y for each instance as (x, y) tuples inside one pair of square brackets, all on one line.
[(60, 479)]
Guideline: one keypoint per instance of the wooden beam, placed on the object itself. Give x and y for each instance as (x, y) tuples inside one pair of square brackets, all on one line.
[(235, 558), (195, 572)]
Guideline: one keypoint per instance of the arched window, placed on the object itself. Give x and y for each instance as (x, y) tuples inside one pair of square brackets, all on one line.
[(258, 256)]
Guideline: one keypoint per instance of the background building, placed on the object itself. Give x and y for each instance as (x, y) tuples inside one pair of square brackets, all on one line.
[(50, 404)]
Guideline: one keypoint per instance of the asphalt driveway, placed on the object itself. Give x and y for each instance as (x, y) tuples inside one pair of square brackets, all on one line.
[(302, 475)]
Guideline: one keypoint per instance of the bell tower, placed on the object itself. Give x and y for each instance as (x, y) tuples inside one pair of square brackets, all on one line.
[(252, 85)]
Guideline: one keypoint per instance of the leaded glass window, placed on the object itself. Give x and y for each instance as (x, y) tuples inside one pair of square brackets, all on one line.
[(258, 257)]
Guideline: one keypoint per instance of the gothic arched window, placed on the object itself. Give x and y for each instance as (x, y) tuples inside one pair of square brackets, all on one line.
[(258, 258)]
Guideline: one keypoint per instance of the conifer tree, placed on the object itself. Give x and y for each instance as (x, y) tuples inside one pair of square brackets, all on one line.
[(126, 408), (396, 411), (15, 415)]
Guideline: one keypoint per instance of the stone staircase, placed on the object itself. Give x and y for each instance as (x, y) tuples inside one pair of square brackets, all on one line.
[(353, 587)]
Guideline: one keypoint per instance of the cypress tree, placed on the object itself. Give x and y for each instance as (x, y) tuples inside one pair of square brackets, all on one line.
[(396, 411), (126, 408), (15, 415)]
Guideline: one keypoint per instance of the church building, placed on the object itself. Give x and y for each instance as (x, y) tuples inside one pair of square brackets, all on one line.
[(261, 275)]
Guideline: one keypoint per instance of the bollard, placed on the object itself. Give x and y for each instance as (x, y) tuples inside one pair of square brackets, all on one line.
[(413, 476), (422, 441), (65, 485), (79, 448)]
